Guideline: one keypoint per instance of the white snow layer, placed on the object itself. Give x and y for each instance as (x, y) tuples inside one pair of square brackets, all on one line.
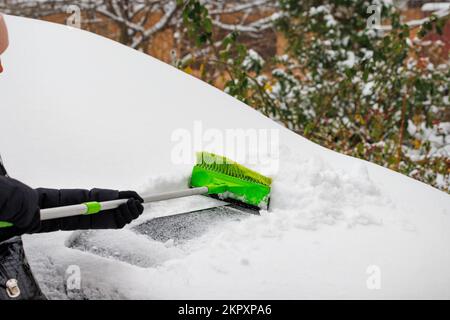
[(79, 110)]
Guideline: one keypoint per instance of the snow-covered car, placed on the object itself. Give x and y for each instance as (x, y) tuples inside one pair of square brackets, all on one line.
[(337, 227)]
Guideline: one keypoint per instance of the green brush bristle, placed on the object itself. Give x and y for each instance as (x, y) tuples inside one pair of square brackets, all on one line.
[(228, 167), (227, 179)]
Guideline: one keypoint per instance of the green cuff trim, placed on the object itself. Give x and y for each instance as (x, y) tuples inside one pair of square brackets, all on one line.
[(93, 207)]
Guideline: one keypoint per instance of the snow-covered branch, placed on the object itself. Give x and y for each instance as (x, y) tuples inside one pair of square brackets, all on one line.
[(257, 26), (132, 17), (417, 23), (156, 27), (242, 7)]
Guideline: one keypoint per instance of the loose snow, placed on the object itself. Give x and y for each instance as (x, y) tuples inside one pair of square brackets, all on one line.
[(79, 110)]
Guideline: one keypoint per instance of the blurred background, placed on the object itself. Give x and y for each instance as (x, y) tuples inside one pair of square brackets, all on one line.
[(366, 78)]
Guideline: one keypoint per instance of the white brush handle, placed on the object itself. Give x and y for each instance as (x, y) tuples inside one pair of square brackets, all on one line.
[(94, 207)]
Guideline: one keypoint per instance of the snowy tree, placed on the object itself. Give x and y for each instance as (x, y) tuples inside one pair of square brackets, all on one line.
[(139, 20)]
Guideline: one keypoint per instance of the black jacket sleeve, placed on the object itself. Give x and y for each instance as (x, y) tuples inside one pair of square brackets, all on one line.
[(18, 204), (50, 198)]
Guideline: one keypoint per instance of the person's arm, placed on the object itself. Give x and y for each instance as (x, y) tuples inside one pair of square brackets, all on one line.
[(111, 219), (19, 206), (4, 42)]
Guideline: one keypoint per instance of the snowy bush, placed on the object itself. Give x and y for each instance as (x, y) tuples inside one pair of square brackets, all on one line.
[(358, 90)]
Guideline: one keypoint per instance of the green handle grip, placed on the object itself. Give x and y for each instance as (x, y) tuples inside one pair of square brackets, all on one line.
[(84, 208), (4, 224)]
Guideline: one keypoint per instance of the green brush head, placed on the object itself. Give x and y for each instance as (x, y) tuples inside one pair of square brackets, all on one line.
[(228, 179)]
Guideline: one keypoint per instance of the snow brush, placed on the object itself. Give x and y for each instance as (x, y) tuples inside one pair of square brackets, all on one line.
[(213, 175), (226, 179)]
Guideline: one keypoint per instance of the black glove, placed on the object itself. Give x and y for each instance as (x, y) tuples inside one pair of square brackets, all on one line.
[(111, 219), (19, 205), (123, 215)]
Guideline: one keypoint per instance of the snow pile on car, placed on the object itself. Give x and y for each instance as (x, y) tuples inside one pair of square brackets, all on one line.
[(79, 110)]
